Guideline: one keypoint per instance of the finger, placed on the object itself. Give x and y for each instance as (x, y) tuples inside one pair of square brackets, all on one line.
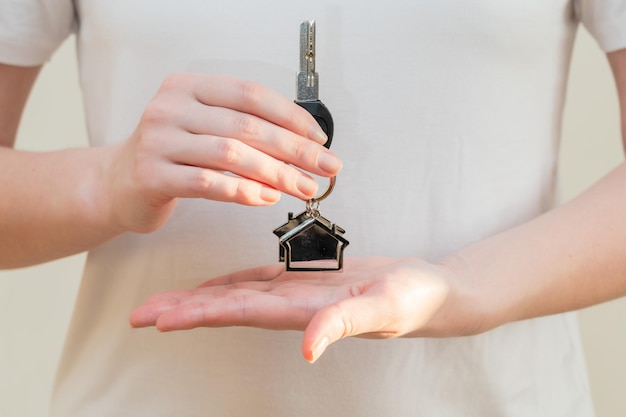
[(263, 273), (253, 98), (224, 154), (239, 308), (154, 306), (279, 142), (167, 296), (194, 182), (273, 273), (349, 317)]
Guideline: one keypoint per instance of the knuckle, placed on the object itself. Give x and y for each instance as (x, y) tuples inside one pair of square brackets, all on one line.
[(157, 112), (248, 126), (164, 107), (174, 81), (349, 326), (202, 183), (301, 150), (251, 93), (244, 192), (228, 151), (148, 142), (207, 184), (345, 323), (286, 176)]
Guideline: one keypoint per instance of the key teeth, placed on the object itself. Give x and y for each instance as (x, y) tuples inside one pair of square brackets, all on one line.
[(307, 79)]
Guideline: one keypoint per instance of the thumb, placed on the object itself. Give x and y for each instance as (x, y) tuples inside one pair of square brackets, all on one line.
[(342, 319)]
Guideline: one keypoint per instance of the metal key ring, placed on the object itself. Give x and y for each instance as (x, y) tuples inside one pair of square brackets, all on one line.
[(326, 193)]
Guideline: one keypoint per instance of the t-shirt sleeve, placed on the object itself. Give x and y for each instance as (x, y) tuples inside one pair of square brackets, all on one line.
[(605, 20), (31, 30)]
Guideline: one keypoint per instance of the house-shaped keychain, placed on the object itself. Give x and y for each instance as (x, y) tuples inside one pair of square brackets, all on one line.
[(311, 243)]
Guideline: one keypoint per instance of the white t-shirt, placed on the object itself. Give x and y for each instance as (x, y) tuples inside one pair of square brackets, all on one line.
[(447, 116)]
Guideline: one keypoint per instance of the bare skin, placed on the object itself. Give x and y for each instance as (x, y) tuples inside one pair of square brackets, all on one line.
[(195, 130), (65, 202), (566, 259)]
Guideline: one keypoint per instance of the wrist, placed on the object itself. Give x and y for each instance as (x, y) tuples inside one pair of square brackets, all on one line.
[(97, 200), (469, 300)]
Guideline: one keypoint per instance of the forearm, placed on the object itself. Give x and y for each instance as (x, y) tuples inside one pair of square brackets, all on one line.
[(569, 258), (53, 204)]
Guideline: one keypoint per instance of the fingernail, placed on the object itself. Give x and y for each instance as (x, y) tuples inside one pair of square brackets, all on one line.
[(306, 185), (329, 163), (318, 348), (269, 194), (317, 134)]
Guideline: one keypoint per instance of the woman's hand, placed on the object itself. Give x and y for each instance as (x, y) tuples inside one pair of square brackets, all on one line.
[(196, 133), (372, 297)]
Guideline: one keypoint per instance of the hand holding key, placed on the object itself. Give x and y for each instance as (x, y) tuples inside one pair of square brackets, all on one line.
[(197, 132)]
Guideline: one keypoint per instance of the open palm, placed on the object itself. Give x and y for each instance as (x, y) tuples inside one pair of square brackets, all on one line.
[(372, 297)]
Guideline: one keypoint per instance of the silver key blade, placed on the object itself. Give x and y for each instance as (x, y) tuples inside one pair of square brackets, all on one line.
[(308, 79)]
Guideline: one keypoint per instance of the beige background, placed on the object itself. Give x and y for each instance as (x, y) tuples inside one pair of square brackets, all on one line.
[(36, 303)]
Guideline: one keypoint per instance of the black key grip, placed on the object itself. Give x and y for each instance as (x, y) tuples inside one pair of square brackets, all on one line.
[(321, 113)]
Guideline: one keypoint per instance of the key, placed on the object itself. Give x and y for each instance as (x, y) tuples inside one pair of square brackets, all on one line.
[(308, 241), (307, 89)]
